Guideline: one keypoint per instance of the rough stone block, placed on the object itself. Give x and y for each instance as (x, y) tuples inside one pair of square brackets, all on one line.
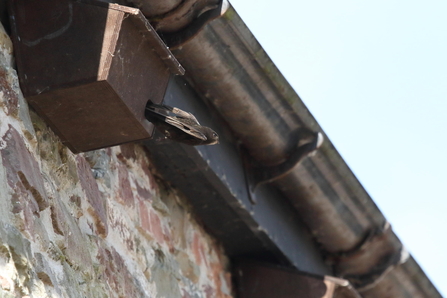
[(124, 189), (94, 197), (75, 246), (22, 168), (9, 99)]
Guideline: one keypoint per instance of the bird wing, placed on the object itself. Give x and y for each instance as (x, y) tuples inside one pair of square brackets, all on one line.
[(173, 110), (185, 115), (185, 127)]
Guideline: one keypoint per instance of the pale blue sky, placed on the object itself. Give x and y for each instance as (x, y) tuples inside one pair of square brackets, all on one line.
[(374, 75)]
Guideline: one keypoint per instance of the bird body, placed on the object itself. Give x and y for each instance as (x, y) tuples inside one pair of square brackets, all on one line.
[(180, 126)]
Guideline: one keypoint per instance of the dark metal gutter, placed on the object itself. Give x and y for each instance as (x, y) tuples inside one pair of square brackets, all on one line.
[(227, 66)]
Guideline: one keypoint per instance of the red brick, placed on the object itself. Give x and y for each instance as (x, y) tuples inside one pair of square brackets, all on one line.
[(22, 168), (26, 209), (94, 197), (124, 190), (150, 222), (21, 200), (10, 97), (144, 217), (143, 192), (117, 275), (168, 239), (156, 228), (128, 151), (105, 258), (196, 248), (147, 170)]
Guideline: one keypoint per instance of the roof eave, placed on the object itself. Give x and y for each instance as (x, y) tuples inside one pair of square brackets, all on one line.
[(228, 67)]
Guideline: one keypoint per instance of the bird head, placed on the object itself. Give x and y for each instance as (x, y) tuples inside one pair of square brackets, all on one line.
[(211, 136)]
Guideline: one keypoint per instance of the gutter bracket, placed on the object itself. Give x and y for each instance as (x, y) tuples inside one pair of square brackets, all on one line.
[(258, 174), (363, 271), (188, 31)]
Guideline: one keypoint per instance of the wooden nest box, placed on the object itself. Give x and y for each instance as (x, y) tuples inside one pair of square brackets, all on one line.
[(89, 67)]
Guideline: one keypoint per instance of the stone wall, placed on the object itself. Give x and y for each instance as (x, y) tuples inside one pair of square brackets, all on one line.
[(101, 224)]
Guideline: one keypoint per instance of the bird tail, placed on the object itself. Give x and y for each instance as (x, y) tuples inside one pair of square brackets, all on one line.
[(155, 111), (152, 106)]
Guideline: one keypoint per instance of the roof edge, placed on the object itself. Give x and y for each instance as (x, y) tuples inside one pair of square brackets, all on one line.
[(225, 63)]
